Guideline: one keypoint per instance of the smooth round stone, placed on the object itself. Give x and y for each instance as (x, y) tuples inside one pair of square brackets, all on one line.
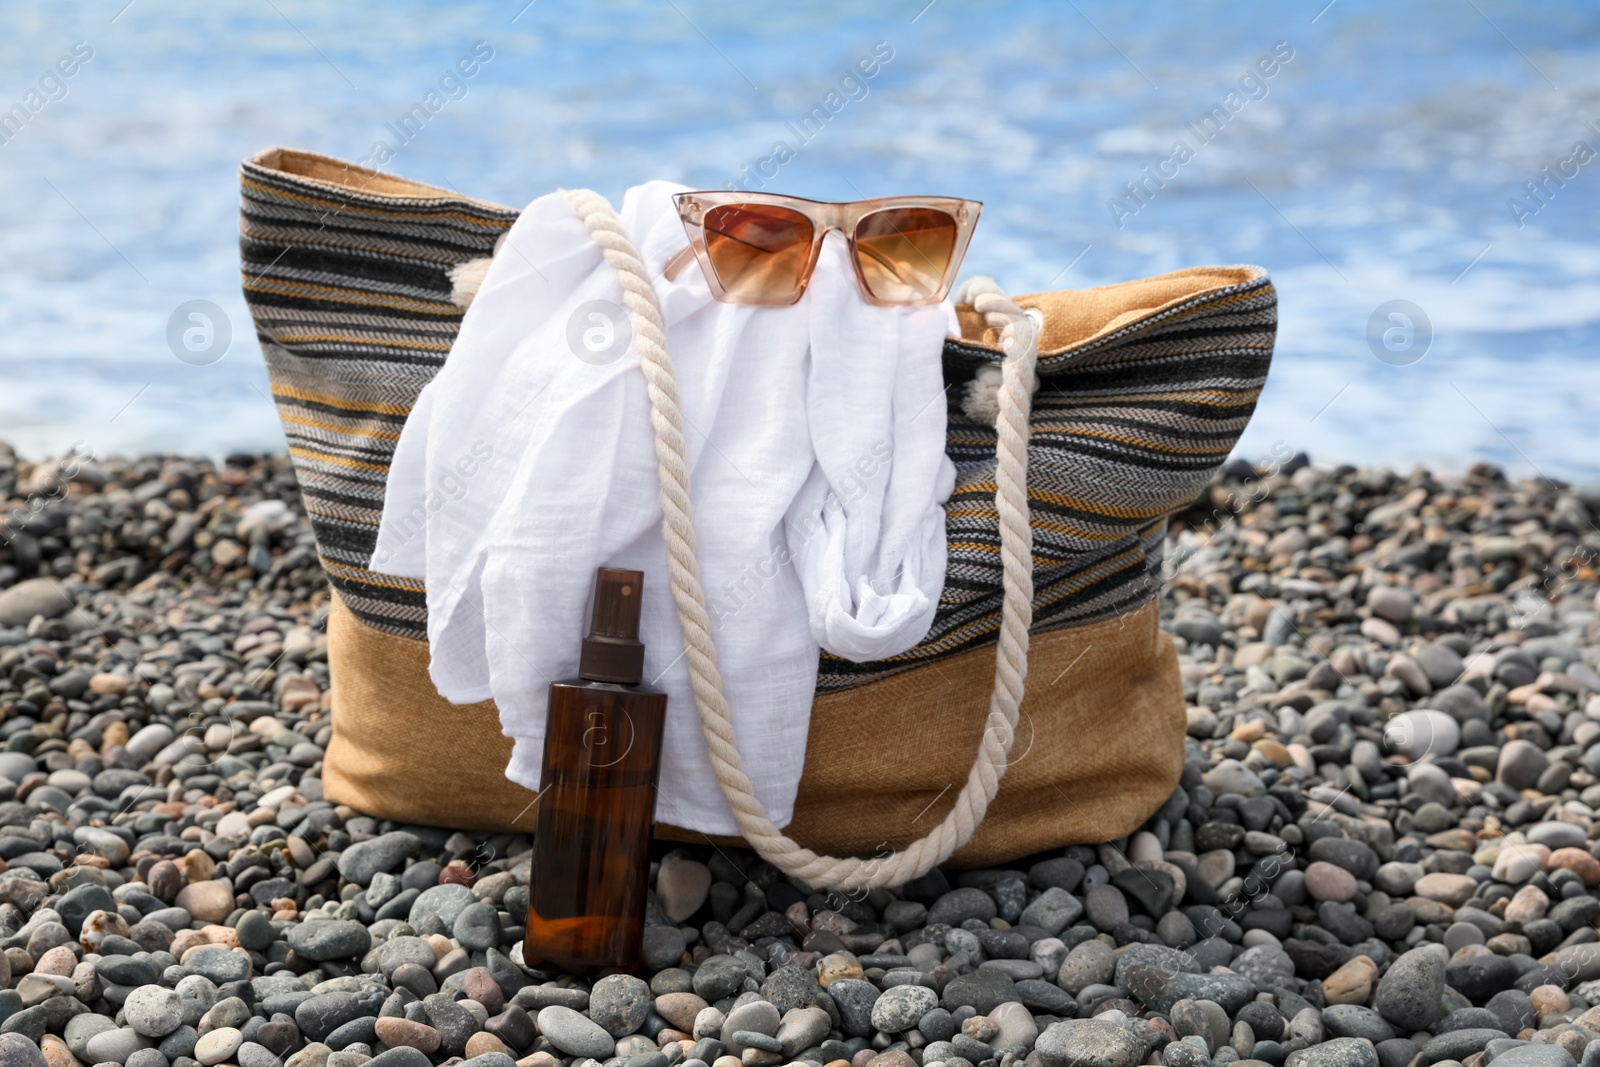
[(17, 1051), (115, 1045), (255, 931), (1050, 952), (233, 1011), (720, 976), (332, 939), (1052, 911), (959, 905), (938, 1025), (1090, 963), (1554, 835), (442, 902), (456, 1020), (218, 1045), (1534, 1055), (80, 1028), (254, 1054), (1452, 889), (404, 1032), (902, 1007), (854, 998), (1232, 776), (1105, 906), (1431, 783), (752, 1017), (322, 1014), (1459, 935), (396, 952), (802, 1028), (636, 1045), (708, 1023), (400, 1056), (663, 947), (682, 886), (1044, 996), (1458, 1044), (574, 1034), (1265, 965), (1324, 881), (153, 1011), (1186, 1053), (219, 964), (419, 980), (364, 859), (1521, 764), (1089, 1043), (1016, 970), (1527, 904), (619, 1003), (69, 780), (1352, 1020), (197, 995), (149, 740), (60, 961), (1518, 863), (207, 901), (1391, 602), (1410, 994), (1015, 1026), (1417, 733), (478, 927), (1351, 983)]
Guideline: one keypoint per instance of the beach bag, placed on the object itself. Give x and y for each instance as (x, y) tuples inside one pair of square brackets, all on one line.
[(355, 282)]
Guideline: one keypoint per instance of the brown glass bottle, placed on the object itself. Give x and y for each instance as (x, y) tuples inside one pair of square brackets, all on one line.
[(602, 757)]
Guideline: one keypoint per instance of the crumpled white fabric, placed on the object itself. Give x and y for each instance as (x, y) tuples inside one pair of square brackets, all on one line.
[(815, 437)]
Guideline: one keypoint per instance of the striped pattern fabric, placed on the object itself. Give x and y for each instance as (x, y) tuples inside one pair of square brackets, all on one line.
[(1125, 429), (346, 275), (350, 294)]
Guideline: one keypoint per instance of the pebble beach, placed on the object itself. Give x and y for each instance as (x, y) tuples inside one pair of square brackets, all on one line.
[(1383, 850)]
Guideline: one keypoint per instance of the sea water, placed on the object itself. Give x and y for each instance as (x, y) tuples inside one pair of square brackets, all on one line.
[(1434, 161)]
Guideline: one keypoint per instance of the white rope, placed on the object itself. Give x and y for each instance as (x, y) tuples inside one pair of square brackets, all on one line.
[(1018, 340)]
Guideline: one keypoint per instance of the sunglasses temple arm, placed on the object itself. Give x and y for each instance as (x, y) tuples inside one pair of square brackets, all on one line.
[(882, 261), (675, 265)]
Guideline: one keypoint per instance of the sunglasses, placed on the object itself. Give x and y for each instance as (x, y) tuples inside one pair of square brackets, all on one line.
[(761, 248)]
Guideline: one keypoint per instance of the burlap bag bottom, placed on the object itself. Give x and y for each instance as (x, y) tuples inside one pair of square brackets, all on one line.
[(1093, 754)]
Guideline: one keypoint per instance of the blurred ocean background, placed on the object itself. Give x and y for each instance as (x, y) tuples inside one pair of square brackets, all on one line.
[(1384, 160)]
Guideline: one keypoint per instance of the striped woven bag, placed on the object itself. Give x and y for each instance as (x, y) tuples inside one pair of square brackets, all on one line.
[(351, 277)]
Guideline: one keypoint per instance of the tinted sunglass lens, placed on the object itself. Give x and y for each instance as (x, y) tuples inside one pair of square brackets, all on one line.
[(905, 252), (758, 251)]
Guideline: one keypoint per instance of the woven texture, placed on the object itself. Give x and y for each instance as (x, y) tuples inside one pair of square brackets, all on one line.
[(1144, 389), (346, 275), (400, 750), (1131, 420)]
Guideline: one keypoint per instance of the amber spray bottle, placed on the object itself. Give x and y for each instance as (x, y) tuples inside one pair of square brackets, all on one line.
[(597, 796)]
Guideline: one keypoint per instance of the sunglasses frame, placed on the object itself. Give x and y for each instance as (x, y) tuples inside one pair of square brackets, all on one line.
[(845, 217)]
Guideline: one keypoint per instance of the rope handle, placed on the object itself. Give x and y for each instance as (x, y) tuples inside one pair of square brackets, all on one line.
[(1019, 342)]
